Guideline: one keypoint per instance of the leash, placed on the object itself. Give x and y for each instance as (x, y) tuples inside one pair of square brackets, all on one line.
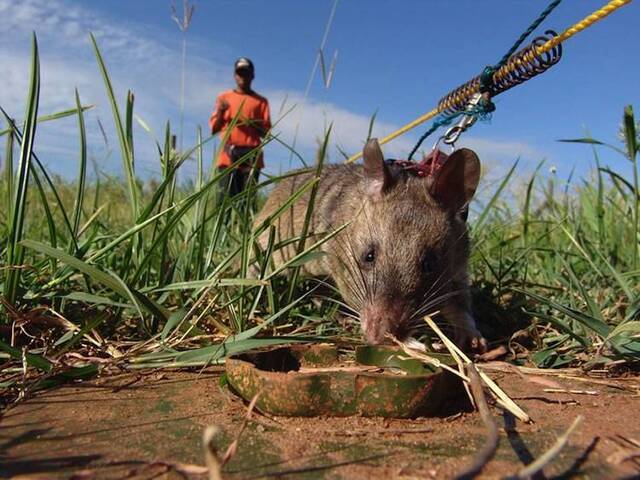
[(513, 69)]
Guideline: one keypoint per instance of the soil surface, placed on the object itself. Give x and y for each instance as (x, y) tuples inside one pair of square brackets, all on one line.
[(150, 426)]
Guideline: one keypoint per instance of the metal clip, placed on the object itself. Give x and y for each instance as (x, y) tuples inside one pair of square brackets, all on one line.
[(436, 145), (452, 135)]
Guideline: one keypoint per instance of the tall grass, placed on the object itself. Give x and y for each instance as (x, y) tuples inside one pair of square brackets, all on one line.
[(167, 282), (567, 258), (174, 268)]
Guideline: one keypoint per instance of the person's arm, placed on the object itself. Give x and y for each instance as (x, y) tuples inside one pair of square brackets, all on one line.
[(266, 118), (217, 120), (263, 124)]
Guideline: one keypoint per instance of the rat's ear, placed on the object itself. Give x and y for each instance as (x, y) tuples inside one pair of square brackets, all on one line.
[(456, 181), (377, 177)]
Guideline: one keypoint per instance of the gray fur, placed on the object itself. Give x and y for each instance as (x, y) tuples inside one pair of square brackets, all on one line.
[(404, 223)]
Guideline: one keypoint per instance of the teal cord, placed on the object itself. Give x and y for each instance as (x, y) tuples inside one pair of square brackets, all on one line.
[(486, 80)]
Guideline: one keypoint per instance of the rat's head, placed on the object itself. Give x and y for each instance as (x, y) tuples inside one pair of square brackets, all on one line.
[(408, 246)]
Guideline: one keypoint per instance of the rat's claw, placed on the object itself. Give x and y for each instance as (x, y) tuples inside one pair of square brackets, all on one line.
[(478, 345), (471, 340)]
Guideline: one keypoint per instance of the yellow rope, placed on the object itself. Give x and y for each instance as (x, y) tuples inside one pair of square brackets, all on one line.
[(603, 12), (584, 23)]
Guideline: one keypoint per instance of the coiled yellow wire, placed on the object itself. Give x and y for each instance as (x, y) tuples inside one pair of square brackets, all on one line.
[(586, 22)]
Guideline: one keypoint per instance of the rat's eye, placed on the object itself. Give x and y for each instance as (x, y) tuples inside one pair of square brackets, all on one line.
[(428, 263), (370, 255)]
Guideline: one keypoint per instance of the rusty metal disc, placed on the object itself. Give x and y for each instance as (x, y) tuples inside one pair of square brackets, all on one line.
[(315, 380)]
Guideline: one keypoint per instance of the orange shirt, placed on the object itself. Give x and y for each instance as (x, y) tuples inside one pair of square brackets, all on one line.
[(254, 110)]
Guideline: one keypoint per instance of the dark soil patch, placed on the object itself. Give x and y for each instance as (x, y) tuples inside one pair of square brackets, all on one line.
[(120, 428)]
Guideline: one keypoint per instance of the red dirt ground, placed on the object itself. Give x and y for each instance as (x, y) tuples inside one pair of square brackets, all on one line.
[(143, 426)]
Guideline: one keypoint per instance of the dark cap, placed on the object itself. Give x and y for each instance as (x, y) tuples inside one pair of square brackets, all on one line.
[(243, 63)]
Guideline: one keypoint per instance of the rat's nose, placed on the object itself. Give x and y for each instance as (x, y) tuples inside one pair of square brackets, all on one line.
[(378, 321)]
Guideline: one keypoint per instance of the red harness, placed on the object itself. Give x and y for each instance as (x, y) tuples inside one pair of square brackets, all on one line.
[(427, 167)]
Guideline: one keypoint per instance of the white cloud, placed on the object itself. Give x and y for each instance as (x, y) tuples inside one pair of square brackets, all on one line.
[(137, 59)]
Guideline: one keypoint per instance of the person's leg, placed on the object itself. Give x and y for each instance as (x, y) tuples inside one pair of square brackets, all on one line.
[(223, 184), (254, 180), (256, 175), (237, 182)]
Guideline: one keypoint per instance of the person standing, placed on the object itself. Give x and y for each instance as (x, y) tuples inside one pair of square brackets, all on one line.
[(253, 123)]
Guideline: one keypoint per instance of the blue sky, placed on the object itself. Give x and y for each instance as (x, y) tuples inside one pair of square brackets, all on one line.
[(396, 58)]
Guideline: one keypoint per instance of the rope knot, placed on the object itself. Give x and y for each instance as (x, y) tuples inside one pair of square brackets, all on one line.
[(486, 79)]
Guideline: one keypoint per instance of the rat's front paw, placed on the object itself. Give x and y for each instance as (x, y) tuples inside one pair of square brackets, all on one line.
[(471, 341), (469, 338), (478, 344)]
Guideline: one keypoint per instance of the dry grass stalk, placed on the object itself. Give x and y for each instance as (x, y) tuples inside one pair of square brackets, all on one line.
[(428, 359), (501, 397), (386, 431), (409, 350), (547, 457), (556, 372), (628, 450), (574, 374), (185, 469), (494, 354), (623, 455), (233, 447), (546, 382), (211, 454), (213, 460), (486, 453), (564, 390)]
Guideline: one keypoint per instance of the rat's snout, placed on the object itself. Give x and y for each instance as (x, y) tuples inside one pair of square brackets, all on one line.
[(380, 319)]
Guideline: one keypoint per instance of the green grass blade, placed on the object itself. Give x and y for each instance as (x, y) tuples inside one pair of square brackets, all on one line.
[(82, 174), (127, 154), (98, 254), (53, 116), (8, 174), (96, 300), (594, 311), (562, 326), (19, 208), (19, 135), (35, 361), (591, 141), (109, 280), (215, 282), (90, 324), (591, 323), (304, 253), (631, 140), (293, 282), (53, 237)]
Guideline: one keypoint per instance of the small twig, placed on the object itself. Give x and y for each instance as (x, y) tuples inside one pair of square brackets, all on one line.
[(388, 431), (628, 450), (571, 374), (547, 457), (428, 359), (630, 440), (453, 417), (210, 453), (564, 390), (491, 355), (183, 468), (623, 455), (630, 456), (487, 452), (233, 447), (23, 389), (548, 400)]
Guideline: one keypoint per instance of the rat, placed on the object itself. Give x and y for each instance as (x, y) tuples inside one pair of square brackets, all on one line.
[(404, 251)]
